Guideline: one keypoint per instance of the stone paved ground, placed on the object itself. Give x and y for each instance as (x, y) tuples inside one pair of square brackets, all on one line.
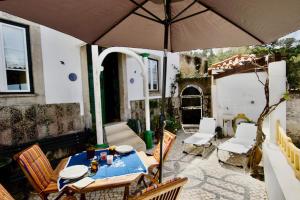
[(208, 180)]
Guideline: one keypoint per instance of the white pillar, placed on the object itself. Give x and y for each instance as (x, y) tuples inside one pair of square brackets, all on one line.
[(214, 100), (97, 69), (277, 88), (146, 94)]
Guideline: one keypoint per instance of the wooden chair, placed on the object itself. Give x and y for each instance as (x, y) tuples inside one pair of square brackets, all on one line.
[(152, 161), (169, 190), (38, 171), (4, 195)]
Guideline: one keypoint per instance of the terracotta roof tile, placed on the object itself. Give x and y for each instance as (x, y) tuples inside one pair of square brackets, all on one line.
[(233, 62)]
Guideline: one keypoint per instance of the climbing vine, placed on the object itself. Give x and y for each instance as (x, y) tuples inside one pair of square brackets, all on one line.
[(172, 124)]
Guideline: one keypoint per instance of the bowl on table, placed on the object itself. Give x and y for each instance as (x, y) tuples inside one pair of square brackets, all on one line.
[(124, 149)]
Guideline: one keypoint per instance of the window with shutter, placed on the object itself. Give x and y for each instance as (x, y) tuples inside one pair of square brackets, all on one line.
[(14, 59), (153, 75)]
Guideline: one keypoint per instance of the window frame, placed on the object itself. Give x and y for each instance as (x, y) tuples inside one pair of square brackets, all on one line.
[(158, 75), (29, 58)]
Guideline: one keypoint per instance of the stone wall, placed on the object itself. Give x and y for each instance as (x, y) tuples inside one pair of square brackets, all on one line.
[(205, 84), (24, 123), (293, 118), (192, 66), (138, 110)]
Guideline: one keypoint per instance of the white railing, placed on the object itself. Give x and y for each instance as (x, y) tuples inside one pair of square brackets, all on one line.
[(291, 152)]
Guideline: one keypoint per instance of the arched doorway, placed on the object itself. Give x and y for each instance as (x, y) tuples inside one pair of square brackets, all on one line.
[(191, 105), (98, 68), (110, 89)]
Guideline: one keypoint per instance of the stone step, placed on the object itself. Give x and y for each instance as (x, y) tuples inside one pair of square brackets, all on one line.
[(120, 134)]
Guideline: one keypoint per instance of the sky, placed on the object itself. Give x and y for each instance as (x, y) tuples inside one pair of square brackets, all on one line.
[(295, 35)]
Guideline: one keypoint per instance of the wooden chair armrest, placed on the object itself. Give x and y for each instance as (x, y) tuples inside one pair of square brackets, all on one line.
[(152, 167), (153, 180)]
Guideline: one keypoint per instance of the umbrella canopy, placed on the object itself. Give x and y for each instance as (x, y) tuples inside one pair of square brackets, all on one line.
[(140, 23), (169, 25)]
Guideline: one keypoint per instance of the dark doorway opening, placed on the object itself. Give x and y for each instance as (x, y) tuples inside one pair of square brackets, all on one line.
[(191, 104), (110, 90)]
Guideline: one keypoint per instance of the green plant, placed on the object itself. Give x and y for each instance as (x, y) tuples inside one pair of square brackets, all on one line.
[(134, 125), (155, 126), (172, 124), (173, 88), (153, 104), (154, 123), (287, 96), (90, 147)]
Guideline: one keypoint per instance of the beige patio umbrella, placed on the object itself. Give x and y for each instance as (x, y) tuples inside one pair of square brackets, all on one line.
[(169, 25)]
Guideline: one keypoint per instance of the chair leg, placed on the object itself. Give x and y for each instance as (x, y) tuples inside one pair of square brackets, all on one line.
[(126, 192), (156, 174), (70, 195), (142, 179), (219, 160), (44, 197), (224, 162), (144, 182), (59, 196), (82, 196)]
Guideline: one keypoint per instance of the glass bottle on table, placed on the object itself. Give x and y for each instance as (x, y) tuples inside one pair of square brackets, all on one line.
[(94, 166)]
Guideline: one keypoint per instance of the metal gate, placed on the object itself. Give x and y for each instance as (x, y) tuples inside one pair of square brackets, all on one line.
[(191, 106)]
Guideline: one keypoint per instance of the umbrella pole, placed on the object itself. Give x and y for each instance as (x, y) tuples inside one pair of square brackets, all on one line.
[(165, 61)]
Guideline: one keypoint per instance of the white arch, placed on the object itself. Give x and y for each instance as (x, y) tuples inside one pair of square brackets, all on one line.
[(98, 60)]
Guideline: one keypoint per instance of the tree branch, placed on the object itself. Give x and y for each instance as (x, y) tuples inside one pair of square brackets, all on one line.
[(274, 106), (258, 77)]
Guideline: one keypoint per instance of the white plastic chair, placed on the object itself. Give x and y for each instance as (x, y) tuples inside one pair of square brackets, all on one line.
[(243, 141), (204, 136)]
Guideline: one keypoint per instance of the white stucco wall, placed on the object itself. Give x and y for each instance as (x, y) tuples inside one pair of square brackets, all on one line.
[(135, 89), (233, 95), (57, 47), (280, 179)]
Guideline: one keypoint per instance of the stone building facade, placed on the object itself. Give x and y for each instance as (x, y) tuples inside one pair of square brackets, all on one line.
[(21, 124), (193, 73), (48, 109), (205, 84)]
